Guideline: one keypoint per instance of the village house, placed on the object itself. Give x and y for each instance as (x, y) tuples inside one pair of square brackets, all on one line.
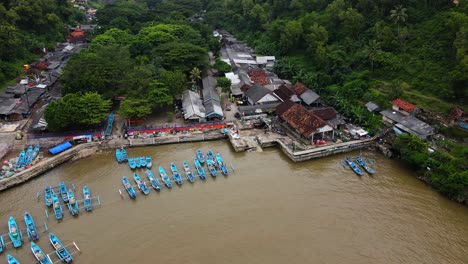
[(257, 94), (298, 120), (330, 116), (266, 62), (284, 93), (372, 107), (211, 100), (403, 107), (78, 35), (308, 97), (192, 107)]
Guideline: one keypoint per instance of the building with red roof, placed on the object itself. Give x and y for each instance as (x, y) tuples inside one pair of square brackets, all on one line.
[(403, 106), (77, 35)]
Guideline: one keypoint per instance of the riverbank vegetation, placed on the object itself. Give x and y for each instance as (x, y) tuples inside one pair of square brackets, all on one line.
[(445, 168), (27, 27)]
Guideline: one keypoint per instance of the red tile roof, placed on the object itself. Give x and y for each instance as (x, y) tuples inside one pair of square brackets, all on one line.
[(408, 107), (299, 88), (299, 118), (324, 113), (245, 87), (258, 76), (77, 33)]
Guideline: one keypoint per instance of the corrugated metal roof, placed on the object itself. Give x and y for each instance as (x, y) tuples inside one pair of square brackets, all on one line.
[(192, 105)]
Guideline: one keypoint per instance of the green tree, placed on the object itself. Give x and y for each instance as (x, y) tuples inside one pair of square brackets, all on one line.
[(159, 95), (224, 83), (195, 76), (176, 81), (399, 16), (132, 108)]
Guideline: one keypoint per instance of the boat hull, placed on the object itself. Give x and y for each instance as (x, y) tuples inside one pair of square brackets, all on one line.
[(175, 174), (58, 211), (12, 260), (87, 200), (164, 177), (30, 227), (63, 192), (141, 185), (129, 188), (48, 196), (41, 257), (60, 249), (14, 233)]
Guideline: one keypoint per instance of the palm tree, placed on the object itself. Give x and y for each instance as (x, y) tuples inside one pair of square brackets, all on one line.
[(398, 15), (372, 51), (195, 75)]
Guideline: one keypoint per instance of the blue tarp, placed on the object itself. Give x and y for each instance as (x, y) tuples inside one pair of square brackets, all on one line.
[(60, 148)]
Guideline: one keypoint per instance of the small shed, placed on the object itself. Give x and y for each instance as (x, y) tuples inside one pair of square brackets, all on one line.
[(258, 94), (372, 107)]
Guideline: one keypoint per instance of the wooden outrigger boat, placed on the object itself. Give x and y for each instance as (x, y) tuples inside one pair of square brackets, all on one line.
[(72, 203), (28, 155), (41, 257), (12, 260), (221, 165), (363, 164), (14, 233), (188, 172), (200, 170), (211, 168), (353, 166), (48, 195), (153, 181), (175, 174), (21, 157), (31, 229), (2, 244), (124, 154), (58, 211), (164, 177), (87, 200), (137, 162), (141, 184), (210, 156), (118, 155), (142, 161), (131, 163), (63, 191), (60, 249), (200, 157), (149, 162), (128, 187)]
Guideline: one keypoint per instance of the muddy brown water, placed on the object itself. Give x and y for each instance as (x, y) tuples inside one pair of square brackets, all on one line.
[(269, 211)]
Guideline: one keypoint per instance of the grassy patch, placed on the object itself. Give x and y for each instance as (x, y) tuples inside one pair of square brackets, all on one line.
[(427, 102)]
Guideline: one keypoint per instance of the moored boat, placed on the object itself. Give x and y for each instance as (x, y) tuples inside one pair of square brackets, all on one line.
[(210, 156), (149, 162), (31, 229), (128, 187), (131, 163), (41, 257), (58, 211), (12, 260), (175, 174), (188, 172), (21, 157), (72, 203), (141, 184), (221, 164), (14, 233), (137, 161), (60, 249), (153, 181), (353, 166), (164, 177), (200, 170), (362, 163), (30, 158), (48, 195), (63, 191), (200, 157), (2, 244), (142, 161), (211, 167), (118, 155), (87, 200), (124, 154), (28, 155)]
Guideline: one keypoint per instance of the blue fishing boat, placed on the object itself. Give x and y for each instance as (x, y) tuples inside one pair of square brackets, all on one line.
[(128, 187), (21, 157), (63, 191), (188, 172), (58, 211), (200, 156), (72, 203), (143, 161), (14, 233), (31, 229), (221, 165), (353, 166), (175, 174), (210, 156), (12, 260), (124, 154), (153, 181), (2, 244), (137, 161), (141, 184), (28, 155), (149, 162), (211, 168), (87, 200), (41, 257), (60, 249), (164, 177), (34, 154), (131, 163), (363, 164), (200, 170), (118, 155), (48, 195)]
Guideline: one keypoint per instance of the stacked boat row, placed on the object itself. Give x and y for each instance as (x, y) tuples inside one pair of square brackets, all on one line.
[(16, 236), (51, 199), (27, 156), (121, 155), (359, 160), (213, 162), (140, 162)]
